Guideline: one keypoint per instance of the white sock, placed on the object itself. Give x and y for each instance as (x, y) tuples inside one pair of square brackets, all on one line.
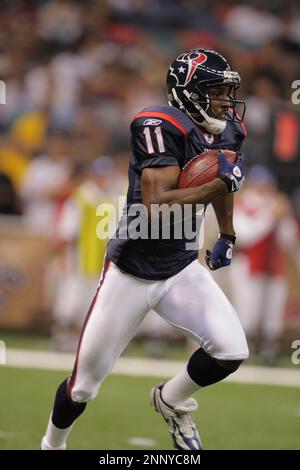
[(55, 438), (177, 390)]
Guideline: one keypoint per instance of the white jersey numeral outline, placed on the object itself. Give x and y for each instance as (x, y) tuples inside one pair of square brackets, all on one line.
[(159, 138)]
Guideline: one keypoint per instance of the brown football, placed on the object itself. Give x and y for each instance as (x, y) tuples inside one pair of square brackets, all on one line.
[(203, 168)]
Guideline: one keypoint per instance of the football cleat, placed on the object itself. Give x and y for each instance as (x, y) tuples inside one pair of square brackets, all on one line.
[(181, 424)]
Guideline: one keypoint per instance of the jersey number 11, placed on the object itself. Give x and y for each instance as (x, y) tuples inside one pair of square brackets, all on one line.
[(159, 139)]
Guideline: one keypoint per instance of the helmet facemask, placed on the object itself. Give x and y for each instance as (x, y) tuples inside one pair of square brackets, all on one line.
[(201, 95)]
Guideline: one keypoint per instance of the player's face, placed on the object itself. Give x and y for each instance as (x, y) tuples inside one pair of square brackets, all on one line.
[(219, 101)]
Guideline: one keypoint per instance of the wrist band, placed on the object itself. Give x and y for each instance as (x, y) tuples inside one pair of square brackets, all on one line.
[(226, 236)]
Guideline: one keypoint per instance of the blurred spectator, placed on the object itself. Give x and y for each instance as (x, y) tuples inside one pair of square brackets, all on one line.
[(46, 183), (82, 249), (252, 25), (284, 151), (265, 230), (29, 129), (260, 105), (9, 204), (60, 21), (13, 159)]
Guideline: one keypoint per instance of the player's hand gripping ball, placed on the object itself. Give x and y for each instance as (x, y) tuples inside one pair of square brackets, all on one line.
[(207, 166)]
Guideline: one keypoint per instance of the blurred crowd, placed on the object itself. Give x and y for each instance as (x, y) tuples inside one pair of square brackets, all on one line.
[(76, 72)]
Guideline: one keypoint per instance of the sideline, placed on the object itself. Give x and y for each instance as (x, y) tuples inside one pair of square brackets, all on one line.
[(50, 360)]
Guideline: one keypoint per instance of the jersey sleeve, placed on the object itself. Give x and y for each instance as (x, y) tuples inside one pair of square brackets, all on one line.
[(157, 142)]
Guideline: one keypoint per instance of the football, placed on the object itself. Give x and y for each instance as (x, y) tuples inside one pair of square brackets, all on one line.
[(203, 168)]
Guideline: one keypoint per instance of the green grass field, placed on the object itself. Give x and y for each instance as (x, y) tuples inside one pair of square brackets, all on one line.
[(230, 416)]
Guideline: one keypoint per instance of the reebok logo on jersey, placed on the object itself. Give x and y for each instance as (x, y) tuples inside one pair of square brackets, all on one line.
[(152, 122)]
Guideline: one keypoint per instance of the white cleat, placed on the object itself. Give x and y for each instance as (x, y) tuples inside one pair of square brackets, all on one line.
[(181, 424)]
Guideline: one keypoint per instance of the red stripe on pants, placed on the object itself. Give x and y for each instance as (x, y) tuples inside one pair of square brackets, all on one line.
[(89, 314)]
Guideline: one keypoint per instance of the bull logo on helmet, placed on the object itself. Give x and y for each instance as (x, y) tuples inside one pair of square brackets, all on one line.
[(186, 66)]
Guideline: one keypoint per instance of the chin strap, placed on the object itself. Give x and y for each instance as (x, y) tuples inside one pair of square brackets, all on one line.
[(212, 125), (177, 99)]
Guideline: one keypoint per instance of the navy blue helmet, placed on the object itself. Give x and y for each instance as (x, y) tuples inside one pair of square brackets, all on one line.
[(189, 79)]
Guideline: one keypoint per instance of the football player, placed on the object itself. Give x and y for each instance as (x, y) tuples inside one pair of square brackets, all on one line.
[(141, 273)]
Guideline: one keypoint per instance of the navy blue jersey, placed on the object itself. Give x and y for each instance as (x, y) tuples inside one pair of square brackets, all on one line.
[(162, 136)]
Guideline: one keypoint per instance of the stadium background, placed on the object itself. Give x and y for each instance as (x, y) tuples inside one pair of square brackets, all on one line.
[(76, 72)]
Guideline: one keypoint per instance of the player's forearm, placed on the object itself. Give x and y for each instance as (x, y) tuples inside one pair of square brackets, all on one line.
[(198, 195), (223, 207)]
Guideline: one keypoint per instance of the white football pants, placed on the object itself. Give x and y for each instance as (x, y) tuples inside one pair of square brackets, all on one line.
[(190, 300)]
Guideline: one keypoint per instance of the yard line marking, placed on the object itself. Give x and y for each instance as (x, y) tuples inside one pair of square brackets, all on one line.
[(51, 360), (142, 442), (9, 434)]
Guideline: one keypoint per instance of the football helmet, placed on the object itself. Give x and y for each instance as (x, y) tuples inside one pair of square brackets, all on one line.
[(189, 80)]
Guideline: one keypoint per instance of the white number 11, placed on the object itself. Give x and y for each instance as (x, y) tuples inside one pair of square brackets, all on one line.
[(159, 138)]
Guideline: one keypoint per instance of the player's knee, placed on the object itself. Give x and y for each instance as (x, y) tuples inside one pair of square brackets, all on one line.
[(87, 384), (205, 369), (83, 394), (234, 349), (65, 410), (230, 365), (234, 358)]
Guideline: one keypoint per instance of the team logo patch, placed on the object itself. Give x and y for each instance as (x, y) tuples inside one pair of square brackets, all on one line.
[(209, 138), (237, 172), (187, 66), (152, 122), (194, 62), (229, 253)]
